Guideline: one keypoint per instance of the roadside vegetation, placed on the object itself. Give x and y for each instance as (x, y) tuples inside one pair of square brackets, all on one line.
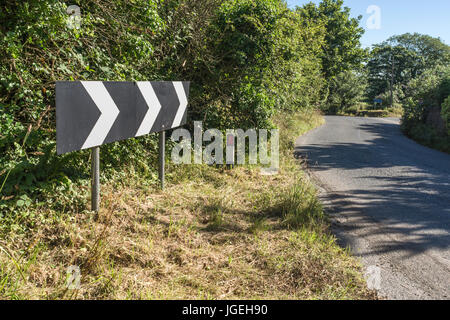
[(406, 76), (247, 60), (411, 72), (212, 234)]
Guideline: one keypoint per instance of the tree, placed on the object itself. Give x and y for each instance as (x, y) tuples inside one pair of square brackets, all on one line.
[(401, 58), (432, 50), (342, 50), (347, 89), (445, 113), (390, 66)]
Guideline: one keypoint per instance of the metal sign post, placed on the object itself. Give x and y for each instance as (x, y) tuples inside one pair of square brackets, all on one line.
[(95, 183), (162, 157)]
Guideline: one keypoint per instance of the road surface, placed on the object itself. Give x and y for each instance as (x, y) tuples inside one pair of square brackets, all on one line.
[(389, 199)]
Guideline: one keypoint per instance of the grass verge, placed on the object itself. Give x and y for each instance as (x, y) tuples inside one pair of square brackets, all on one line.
[(212, 234)]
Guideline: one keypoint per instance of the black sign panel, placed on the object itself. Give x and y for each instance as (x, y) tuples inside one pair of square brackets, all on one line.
[(93, 113)]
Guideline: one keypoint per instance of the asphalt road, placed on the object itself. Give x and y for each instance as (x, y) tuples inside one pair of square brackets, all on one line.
[(389, 199)]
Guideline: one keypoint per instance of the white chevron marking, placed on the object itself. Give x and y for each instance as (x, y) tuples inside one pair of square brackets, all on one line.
[(153, 108), (183, 103), (108, 109)]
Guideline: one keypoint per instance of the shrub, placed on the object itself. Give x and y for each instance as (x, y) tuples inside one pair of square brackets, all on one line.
[(445, 113), (422, 93)]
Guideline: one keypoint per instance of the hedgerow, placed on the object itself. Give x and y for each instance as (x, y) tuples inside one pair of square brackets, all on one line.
[(246, 60)]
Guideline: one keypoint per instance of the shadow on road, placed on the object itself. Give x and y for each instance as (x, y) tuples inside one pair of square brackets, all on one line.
[(390, 179)]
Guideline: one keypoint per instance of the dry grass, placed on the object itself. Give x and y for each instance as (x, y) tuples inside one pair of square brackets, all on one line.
[(212, 234)]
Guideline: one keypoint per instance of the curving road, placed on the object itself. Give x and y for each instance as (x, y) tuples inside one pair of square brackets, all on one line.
[(389, 198)]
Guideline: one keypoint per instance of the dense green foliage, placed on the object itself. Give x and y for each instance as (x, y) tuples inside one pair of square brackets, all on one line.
[(342, 51), (246, 60), (431, 51), (264, 60), (423, 101), (390, 65), (424, 92), (342, 54), (423, 98), (412, 71), (445, 113), (37, 47), (402, 58), (347, 91)]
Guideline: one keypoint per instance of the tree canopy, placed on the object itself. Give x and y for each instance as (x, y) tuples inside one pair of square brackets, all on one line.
[(402, 58), (342, 49)]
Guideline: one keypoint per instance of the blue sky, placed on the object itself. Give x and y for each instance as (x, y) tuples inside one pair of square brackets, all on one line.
[(400, 16)]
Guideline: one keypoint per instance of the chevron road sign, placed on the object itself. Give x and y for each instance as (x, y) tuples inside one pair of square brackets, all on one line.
[(93, 113)]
